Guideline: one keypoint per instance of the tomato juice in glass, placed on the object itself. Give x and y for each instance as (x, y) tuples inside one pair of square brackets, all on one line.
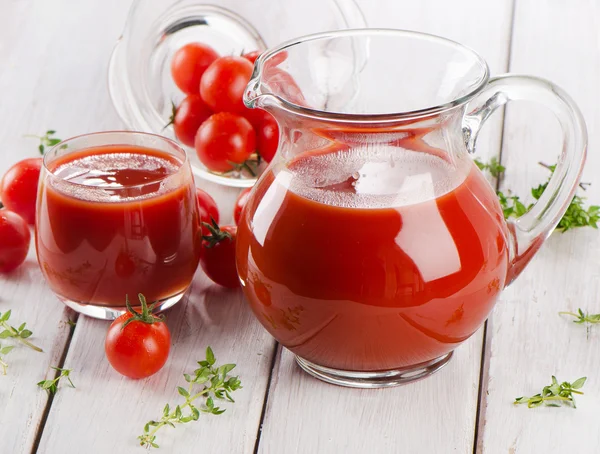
[(372, 259), (117, 215)]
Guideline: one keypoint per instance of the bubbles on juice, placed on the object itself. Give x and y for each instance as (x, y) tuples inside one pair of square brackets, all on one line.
[(375, 177), (114, 176)]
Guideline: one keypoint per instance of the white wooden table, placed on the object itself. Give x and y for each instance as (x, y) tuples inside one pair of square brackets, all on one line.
[(53, 58)]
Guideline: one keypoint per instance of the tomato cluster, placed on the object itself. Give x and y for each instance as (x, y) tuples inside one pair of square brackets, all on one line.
[(212, 117)]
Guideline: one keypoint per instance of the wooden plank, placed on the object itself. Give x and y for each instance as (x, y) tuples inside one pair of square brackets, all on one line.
[(43, 86), (437, 414), (23, 403), (529, 340), (111, 410)]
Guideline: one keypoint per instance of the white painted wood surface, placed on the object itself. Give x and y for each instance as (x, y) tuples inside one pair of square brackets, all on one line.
[(53, 57), (529, 341), (48, 79)]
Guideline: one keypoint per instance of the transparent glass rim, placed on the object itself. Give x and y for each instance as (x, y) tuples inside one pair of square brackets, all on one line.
[(255, 80), (181, 155)]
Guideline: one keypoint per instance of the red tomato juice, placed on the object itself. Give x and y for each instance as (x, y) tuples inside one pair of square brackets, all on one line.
[(115, 221), (349, 274)]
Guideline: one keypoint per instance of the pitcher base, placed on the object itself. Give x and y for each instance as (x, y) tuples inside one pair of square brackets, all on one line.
[(377, 379)]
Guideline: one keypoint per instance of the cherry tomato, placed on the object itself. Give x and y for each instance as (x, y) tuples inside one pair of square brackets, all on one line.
[(188, 117), (188, 65), (137, 343), (240, 203), (267, 132), (208, 207), (284, 84), (252, 56), (224, 83), (223, 139), (218, 255), (18, 188), (14, 240)]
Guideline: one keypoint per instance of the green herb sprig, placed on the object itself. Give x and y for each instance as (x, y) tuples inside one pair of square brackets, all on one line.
[(554, 395), (493, 167), (577, 215), (208, 382), (581, 317), (4, 351), (52, 385), (20, 334), (47, 140)]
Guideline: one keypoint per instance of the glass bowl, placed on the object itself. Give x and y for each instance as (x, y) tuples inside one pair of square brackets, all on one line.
[(139, 76)]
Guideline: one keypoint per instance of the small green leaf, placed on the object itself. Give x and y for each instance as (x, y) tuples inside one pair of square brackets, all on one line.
[(209, 403), (5, 334), (210, 356), (5, 350), (5, 316), (579, 383), (183, 391), (25, 334), (226, 368)]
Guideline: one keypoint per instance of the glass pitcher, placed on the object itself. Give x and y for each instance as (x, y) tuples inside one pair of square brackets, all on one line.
[(373, 246)]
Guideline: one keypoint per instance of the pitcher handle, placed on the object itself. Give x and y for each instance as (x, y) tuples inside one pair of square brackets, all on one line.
[(530, 230)]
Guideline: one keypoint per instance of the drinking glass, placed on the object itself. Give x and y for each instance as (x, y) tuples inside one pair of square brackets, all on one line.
[(101, 238)]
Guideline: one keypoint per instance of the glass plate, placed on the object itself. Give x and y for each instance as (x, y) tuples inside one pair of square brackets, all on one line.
[(139, 76)]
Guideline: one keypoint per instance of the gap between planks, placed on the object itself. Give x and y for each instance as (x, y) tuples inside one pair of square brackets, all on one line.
[(276, 352), (42, 425)]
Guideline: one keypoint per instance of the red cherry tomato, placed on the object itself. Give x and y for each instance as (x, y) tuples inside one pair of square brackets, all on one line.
[(188, 65), (252, 56), (208, 207), (218, 256), (223, 139), (284, 84), (14, 240), (267, 132), (137, 343), (224, 83), (240, 203), (18, 188), (188, 117)]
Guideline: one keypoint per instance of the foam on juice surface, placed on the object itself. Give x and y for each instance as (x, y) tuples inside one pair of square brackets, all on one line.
[(113, 176), (374, 177)]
